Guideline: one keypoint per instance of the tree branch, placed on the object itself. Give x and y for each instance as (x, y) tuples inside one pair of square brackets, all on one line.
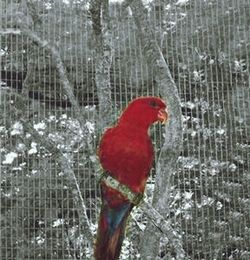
[(172, 146), (67, 87), (103, 58), (66, 164), (64, 158), (9, 31), (164, 226), (65, 161)]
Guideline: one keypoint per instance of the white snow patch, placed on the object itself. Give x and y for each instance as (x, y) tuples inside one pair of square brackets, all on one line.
[(23, 164), (187, 206), (193, 133), (28, 135), (206, 201), (188, 162), (172, 23), (177, 196), (10, 157), (33, 172), (168, 6), (58, 222), (51, 118), (116, 1), (198, 75), (220, 131), (211, 62), (93, 227), (213, 172), (232, 167), (21, 147), (190, 105), (56, 137), (40, 240), (188, 195), (183, 14), (3, 84), (17, 129), (178, 212), (16, 169), (41, 222), (2, 129), (63, 116), (90, 126), (182, 2), (33, 149), (2, 52), (185, 118), (239, 65), (40, 126), (93, 158), (219, 205), (48, 6)]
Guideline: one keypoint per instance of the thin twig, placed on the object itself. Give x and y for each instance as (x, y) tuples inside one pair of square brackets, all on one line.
[(10, 31)]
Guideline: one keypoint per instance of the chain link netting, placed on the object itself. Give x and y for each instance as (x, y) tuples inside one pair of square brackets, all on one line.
[(45, 150)]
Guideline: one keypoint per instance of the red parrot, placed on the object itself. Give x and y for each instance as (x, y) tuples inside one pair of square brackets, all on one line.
[(126, 155)]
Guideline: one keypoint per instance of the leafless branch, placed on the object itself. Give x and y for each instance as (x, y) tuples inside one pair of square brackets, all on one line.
[(65, 161), (68, 88), (164, 226), (167, 161), (8, 31), (103, 58)]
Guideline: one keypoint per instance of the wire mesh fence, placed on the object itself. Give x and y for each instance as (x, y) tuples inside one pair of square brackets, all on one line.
[(47, 158)]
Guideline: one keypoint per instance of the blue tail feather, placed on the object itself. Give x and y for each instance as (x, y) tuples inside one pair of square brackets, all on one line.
[(115, 216), (111, 230)]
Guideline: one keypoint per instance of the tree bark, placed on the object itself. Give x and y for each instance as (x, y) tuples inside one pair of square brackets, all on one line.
[(103, 58), (167, 161)]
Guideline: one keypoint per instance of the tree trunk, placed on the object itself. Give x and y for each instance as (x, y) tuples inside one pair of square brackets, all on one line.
[(166, 165), (103, 58)]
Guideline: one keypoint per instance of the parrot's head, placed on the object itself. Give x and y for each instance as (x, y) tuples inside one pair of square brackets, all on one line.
[(144, 111)]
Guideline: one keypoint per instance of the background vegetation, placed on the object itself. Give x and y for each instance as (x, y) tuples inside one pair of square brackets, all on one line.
[(48, 150)]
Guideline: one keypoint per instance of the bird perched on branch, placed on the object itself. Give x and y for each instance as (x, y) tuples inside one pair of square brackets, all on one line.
[(126, 155)]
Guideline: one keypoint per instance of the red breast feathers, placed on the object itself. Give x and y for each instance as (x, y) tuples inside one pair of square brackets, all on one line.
[(125, 150)]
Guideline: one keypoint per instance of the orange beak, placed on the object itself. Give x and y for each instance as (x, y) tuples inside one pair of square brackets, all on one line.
[(162, 115)]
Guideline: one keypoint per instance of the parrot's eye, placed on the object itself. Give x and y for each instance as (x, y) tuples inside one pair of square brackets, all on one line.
[(153, 104)]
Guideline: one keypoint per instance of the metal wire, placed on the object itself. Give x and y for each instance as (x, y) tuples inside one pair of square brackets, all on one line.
[(206, 44)]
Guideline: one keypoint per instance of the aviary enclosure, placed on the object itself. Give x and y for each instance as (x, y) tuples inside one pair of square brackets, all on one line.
[(68, 68)]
